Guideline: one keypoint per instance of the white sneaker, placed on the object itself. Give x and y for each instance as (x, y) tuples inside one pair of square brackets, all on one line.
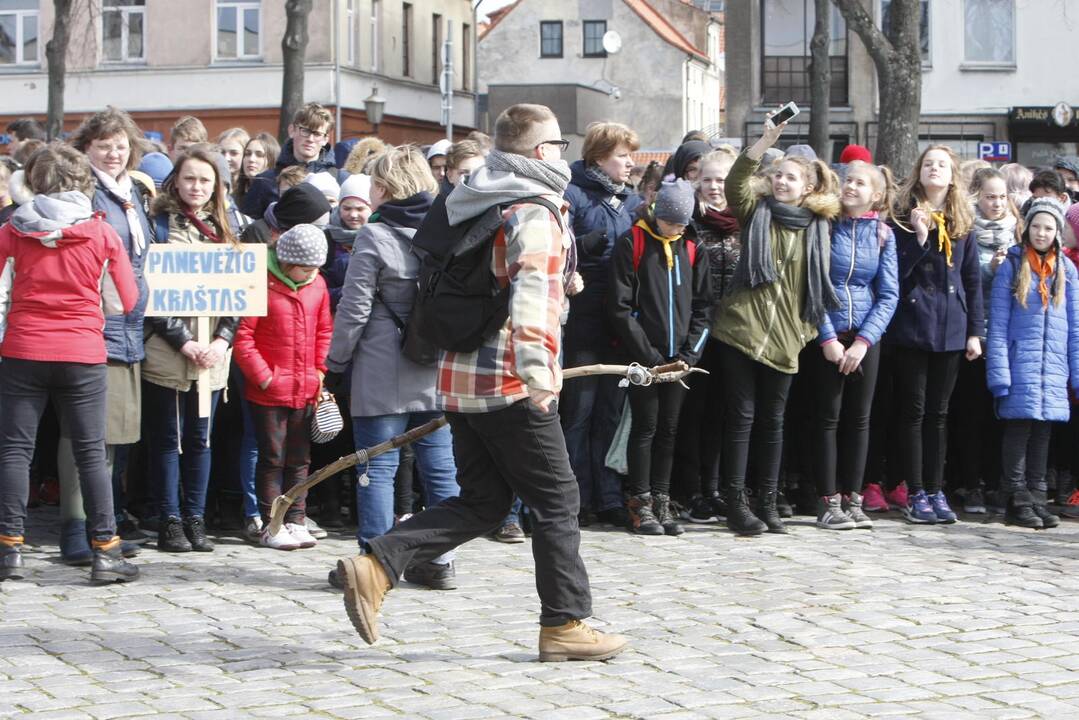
[(313, 528), (283, 540), (299, 534)]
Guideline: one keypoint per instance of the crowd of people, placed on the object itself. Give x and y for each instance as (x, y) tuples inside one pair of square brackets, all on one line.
[(851, 323)]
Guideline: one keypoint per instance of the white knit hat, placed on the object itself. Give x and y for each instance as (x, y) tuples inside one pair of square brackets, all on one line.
[(325, 182), (357, 186), (439, 148)]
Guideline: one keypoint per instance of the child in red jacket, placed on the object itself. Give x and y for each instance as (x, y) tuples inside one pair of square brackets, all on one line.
[(63, 270), (283, 359)]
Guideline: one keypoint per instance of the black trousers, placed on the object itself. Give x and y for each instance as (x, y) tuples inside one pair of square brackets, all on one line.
[(923, 386), (518, 450), (975, 427), (755, 397), (700, 427), (650, 453), (841, 431), (1025, 454), (78, 393)]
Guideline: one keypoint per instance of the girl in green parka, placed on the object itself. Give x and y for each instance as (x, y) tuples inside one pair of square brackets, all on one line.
[(781, 292)]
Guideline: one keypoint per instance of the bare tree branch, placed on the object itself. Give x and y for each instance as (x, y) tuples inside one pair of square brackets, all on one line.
[(56, 56), (861, 22), (820, 80), (293, 50)]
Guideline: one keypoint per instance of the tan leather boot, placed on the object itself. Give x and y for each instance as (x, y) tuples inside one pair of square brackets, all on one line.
[(365, 584), (577, 641)]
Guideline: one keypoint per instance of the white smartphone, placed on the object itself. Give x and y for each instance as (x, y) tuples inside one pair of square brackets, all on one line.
[(785, 113)]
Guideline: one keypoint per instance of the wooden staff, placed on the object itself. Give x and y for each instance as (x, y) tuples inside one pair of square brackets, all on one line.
[(632, 375)]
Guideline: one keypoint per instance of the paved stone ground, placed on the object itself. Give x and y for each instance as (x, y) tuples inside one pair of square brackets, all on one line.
[(972, 620)]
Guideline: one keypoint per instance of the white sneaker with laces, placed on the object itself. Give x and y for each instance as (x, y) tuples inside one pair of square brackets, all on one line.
[(301, 535), (313, 527), (283, 540)]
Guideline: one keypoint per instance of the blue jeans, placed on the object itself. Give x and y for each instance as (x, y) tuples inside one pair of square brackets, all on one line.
[(434, 460), (178, 445), (249, 455), (514, 515), (590, 408)]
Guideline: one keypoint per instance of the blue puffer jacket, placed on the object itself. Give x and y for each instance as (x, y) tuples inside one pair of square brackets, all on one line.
[(123, 334), (865, 275), (593, 211), (1032, 351)]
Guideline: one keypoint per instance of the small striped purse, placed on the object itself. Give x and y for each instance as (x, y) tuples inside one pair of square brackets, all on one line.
[(326, 422)]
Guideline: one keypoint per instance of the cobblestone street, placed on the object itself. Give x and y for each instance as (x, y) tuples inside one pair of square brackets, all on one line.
[(972, 620)]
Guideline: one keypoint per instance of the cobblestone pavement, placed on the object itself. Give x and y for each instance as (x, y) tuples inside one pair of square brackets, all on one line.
[(972, 620)]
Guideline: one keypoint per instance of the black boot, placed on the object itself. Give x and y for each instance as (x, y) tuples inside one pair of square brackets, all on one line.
[(740, 519), (171, 537), (661, 506), (195, 531), (431, 575), (11, 565), (109, 565), (641, 519), (1020, 511), (1049, 520), (768, 512)]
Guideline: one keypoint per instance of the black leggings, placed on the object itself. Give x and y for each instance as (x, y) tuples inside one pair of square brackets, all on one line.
[(755, 398), (924, 382), (697, 445), (651, 437), (976, 428), (1025, 452), (841, 433)]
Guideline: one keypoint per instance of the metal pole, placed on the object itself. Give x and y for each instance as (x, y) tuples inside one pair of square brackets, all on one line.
[(447, 74)]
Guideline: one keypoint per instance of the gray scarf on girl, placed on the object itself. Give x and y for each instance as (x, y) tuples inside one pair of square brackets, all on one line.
[(756, 265), (554, 175), (994, 234)]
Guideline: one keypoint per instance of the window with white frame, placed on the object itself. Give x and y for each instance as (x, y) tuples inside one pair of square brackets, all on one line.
[(238, 28), (19, 32), (989, 32), (376, 19), (123, 23)]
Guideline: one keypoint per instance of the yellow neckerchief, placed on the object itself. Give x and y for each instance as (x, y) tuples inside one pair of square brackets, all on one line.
[(665, 239), (1043, 267), (944, 240)]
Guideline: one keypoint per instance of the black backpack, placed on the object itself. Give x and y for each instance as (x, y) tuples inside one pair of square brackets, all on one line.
[(460, 303)]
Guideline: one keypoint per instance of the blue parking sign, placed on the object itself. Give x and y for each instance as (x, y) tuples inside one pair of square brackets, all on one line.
[(995, 151)]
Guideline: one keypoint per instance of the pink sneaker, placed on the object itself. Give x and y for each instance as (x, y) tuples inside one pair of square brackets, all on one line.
[(897, 498), (873, 498)]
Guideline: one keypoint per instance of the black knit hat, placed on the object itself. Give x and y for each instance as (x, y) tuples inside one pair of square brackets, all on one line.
[(304, 203)]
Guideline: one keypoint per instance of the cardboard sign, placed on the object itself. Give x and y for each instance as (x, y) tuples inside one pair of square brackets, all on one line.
[(206, 280), (995, 151)]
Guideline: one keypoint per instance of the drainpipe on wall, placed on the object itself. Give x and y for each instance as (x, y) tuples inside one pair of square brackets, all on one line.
[(337, 68)]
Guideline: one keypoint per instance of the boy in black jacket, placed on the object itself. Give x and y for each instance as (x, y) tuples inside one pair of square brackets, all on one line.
[(659, 302)]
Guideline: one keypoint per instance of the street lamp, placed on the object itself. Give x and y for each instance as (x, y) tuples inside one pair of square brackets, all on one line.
[(373, 106)]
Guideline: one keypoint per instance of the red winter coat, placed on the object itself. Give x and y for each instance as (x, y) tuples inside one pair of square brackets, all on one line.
[(288, 346), (55, 285)]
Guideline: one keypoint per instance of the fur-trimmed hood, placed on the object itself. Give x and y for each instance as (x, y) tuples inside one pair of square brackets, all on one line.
[(823, 204)]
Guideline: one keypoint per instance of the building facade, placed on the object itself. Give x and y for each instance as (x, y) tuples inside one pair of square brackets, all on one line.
[(221, 60), (664, 80), (993, 71)]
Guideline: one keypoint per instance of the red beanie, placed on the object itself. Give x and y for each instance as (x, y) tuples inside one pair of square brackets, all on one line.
[(856, 152)]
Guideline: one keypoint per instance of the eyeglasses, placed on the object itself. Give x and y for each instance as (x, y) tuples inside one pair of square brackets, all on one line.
[(562, 145), (309, 133)]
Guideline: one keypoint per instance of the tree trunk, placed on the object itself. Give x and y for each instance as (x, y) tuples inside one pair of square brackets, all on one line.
[(56, 57), (293, 50), (898, 60), (820, 81)]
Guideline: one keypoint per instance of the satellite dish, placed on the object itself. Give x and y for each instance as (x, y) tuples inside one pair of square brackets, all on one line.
[(612, 42)]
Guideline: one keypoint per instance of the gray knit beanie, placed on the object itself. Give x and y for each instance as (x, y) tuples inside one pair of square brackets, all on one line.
[(302, 245), (675, 202), (1049, 206)]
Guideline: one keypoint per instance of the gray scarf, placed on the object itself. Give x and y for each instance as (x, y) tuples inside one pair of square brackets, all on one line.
[(554, 175), (756, 265), (994, 234), (592, 172)]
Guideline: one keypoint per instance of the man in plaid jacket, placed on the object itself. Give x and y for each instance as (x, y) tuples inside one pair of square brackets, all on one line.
[(501, 403)]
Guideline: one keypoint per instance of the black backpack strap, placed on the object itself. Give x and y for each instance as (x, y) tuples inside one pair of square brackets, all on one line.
[(393, 316)]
